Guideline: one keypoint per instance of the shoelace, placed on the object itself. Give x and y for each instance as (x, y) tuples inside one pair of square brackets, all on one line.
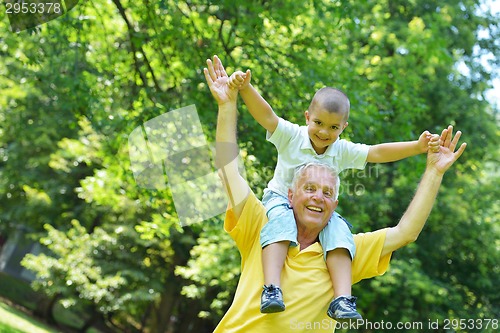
[(350, 304), (272, 291)]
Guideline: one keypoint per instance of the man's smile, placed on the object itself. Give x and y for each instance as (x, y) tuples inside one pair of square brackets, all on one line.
[(314, 208)]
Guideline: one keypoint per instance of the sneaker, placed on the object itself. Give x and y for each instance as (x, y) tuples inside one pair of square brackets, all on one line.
[(271, 299), (343, 308)]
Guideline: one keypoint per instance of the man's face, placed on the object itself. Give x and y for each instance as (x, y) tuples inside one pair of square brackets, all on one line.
[(313, 201), (324, 128)]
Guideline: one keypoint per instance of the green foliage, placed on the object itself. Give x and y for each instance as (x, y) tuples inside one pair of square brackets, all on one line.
[(80, 268), (74, 89), (214, 271)]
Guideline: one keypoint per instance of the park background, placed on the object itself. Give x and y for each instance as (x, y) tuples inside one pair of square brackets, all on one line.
[(112, 255)]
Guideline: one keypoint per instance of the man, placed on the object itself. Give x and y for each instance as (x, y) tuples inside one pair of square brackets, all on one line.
[(305, 276)]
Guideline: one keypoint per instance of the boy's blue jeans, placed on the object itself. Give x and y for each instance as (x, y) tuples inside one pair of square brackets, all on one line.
[(281, 226)]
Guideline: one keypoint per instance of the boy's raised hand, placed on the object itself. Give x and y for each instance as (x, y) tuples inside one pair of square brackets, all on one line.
[(239, 80), (423, 141), (217, 80)]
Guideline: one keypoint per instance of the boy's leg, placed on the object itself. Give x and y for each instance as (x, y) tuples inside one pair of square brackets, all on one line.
[(273, 259), (339, 266), (338, 244), (275, 238)]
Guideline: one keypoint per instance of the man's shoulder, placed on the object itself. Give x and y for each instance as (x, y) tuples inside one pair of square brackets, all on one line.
[(370, 243), (253, 205), (253, 215), (369, 234), (245, 230), (368, 261)]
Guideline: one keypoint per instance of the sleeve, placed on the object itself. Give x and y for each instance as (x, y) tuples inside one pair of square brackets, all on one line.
[(367, 263), (285, 132), (246, 230), (353, 155)]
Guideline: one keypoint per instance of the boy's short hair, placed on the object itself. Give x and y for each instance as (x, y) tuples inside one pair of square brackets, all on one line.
[(331, 99), (299, 171)]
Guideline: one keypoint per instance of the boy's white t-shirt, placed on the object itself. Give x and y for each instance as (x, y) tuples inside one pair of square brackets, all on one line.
[(295, 149)]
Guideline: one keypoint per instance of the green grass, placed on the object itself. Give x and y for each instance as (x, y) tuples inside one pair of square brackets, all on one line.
[(7, 329), (15, 321), (19, 292)]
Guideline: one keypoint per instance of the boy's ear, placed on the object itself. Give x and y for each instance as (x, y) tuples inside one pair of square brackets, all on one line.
[(345, 125), (306, 114)]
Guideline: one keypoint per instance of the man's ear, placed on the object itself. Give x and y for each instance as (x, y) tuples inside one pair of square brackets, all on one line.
[(335, 204), (290, 194)]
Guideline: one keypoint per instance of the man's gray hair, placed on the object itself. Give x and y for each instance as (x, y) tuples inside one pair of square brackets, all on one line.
[(299, 171)]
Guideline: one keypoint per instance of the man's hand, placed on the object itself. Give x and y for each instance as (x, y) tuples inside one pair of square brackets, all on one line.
[(442, 154), (217, 81)]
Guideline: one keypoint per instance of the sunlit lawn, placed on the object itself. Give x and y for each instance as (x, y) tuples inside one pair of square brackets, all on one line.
[(15, 321)]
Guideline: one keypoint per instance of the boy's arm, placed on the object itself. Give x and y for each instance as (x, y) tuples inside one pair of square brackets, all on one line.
[(395, 151), (257, 105), (259, 108)]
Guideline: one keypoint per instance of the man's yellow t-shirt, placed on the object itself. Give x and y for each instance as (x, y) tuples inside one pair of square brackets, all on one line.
[(305, 281)]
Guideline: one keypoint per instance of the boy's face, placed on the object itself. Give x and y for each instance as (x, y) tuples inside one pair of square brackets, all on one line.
[(324, 128)]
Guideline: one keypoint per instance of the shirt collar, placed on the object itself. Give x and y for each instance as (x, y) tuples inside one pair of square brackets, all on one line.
[(315, 247)]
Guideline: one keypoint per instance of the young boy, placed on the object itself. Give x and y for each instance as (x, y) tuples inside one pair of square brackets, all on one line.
[(326, 118)]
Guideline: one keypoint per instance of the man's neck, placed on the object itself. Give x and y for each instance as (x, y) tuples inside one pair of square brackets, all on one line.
[(306, 238)]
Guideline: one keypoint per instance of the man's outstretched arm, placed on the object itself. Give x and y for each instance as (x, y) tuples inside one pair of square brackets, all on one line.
[(226, 146), (440, 157)]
